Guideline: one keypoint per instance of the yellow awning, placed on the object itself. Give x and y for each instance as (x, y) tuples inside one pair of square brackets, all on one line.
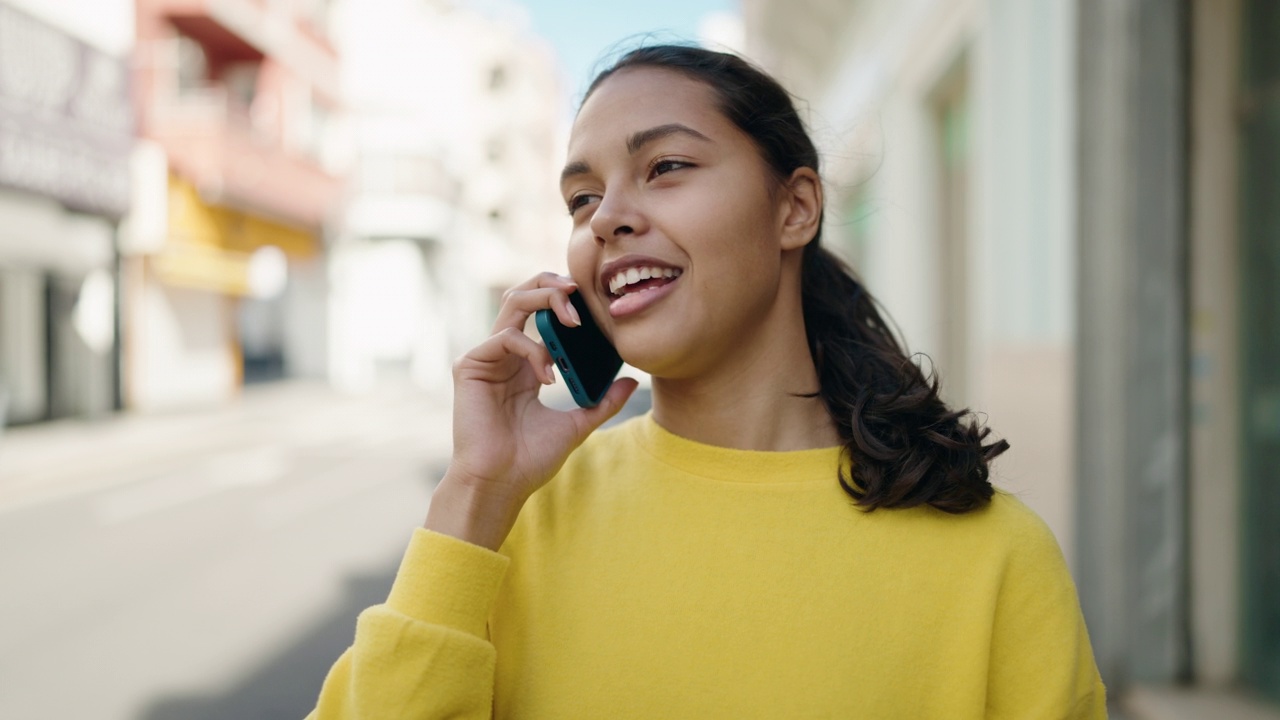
[(203, 268), (193, 221), (209, 246)]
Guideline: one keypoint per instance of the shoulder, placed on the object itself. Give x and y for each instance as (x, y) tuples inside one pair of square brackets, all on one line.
[(1005, 523), (1003, 542), (1025, 532), (1017, 522), (1032, 560), (1014, 535)]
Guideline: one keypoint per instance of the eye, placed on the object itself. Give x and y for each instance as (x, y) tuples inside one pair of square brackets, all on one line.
[(662, 166), (578, 201)]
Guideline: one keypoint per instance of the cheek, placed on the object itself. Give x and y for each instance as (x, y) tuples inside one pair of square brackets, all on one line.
[(738, 240), (583, 255)]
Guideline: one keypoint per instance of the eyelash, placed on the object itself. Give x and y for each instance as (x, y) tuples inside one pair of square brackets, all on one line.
[(666, 161), (574, 203)]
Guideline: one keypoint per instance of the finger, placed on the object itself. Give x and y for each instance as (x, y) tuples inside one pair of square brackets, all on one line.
[(486, 361), (518, 305), (588, 419), (545, 280)]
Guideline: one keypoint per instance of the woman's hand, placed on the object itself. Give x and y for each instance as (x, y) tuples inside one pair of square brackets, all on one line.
[(507, 444)]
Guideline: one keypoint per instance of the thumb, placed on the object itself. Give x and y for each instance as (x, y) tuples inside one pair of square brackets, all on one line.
[(591, 418)]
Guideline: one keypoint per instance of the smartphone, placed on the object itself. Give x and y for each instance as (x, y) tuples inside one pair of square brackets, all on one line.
[(587, 360)]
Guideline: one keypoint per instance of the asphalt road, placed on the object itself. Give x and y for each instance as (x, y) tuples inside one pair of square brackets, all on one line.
[(206, 564)]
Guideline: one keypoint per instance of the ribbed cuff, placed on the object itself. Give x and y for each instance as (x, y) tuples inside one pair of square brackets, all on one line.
[(446, 581)]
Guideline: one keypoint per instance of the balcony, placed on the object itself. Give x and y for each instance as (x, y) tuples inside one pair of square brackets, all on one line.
[(283, 31), (240, 161)]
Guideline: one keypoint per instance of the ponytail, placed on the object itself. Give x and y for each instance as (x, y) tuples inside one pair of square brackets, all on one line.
[(905, 446)]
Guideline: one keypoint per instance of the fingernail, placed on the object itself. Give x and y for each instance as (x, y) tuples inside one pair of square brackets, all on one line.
[(573, 313), (551, 373)]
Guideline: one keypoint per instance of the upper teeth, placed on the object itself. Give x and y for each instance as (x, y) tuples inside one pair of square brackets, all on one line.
[(634, 275)]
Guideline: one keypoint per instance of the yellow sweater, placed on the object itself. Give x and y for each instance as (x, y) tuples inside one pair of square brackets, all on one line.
[(656, 577)]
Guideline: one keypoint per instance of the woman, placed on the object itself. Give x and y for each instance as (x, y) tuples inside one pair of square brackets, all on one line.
[(800, 528)]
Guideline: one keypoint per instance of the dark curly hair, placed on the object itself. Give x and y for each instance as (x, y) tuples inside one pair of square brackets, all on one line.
[(906, 447)]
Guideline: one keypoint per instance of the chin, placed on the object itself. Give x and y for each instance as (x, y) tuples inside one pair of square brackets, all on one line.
[(662, 358)]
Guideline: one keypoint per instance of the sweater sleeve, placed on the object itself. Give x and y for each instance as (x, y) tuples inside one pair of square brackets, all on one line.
[(1041, 664), (425, 653)]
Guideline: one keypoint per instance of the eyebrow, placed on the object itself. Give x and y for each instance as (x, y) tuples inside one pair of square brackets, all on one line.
[(574, 168), (637, 141), (644, 137)]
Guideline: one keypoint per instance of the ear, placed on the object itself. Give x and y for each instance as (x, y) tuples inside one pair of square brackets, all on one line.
[(801, 208)]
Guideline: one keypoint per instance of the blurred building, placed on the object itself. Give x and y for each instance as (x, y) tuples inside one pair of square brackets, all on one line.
[(236, 182), (66, 132), (453, 200), (1072, 207)]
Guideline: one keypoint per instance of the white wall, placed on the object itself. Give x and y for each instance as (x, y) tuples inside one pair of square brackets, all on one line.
[(386, 310), (105, 24), (876, 125), (181, 348), (1215, 342), (1025, 275), (450, 119), (306, 326)]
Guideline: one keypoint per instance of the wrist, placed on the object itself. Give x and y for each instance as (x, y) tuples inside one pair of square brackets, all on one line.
[(472, 512)]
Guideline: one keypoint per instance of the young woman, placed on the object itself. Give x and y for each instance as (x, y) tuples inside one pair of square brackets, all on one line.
[(798, 529)]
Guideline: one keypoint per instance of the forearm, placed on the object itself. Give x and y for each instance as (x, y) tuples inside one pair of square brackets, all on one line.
[(464, 509)]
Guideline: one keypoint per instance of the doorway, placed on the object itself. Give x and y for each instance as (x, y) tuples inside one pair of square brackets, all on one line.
[(1260, 346)]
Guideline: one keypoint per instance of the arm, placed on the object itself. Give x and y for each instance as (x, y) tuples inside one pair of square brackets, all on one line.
[(425, 653), (1041, 665)]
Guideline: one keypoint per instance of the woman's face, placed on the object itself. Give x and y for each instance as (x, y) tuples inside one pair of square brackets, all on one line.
[(677, 238)]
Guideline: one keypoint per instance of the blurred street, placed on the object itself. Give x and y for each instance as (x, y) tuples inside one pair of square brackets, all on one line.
[(204, 565)]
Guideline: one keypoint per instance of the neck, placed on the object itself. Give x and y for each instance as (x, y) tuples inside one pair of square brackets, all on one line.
[(751, 400)]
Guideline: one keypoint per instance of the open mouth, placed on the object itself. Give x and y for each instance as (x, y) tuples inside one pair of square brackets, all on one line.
[(641, 279)]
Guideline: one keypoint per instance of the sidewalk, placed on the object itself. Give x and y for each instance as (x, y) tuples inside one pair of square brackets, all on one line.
[(43, 462)]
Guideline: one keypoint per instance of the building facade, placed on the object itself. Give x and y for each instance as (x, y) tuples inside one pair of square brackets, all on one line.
[(237, 183), (453, 197), (1071, 208), (66, 133)]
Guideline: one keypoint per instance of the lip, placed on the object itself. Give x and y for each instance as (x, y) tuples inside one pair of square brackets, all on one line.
[(636, 302), (627, 262), (633, 303)]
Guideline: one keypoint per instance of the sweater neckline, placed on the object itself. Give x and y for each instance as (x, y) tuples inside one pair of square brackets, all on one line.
[(734, 465)]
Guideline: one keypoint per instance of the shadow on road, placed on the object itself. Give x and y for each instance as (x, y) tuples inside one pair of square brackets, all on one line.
[(286, 686)]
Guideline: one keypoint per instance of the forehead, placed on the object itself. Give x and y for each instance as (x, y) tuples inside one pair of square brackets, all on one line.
[(635, 99)]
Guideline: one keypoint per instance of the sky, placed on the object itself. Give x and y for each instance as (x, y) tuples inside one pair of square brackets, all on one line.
[(581, 32)]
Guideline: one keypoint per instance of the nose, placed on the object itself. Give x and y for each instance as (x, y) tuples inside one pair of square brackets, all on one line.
[(616, 215)]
